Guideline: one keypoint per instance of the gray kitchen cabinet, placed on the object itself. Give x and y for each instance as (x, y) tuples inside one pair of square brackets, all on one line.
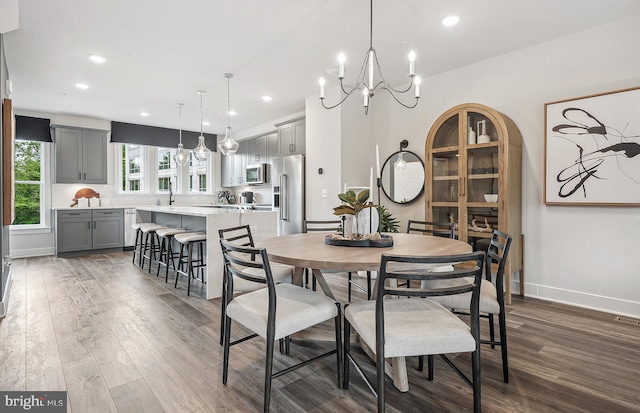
[(226, 171), (81, 156), (239, 163), (257, 150), (272, 147), (108, 228), (73, 231), (89, 230), (292, 137)]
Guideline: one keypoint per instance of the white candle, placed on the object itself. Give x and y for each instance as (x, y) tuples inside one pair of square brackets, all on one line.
[(365, 93), (418, 81), (321, 83), (341, 59), (412, 58), (371, 184), (344, 191), (371, 57), (377, 162)]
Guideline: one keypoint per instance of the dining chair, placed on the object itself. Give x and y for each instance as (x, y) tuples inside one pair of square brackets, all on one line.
[(274, 312), (440, 229), (418, 326), (491, 295), (241, 235), (328, 226)]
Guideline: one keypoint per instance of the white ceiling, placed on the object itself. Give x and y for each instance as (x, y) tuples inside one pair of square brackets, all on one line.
[(159, 52)]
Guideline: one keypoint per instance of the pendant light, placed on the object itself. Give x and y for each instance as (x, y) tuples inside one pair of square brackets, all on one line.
[(400, 164), (182, 156), (201, 152), (228, 146)]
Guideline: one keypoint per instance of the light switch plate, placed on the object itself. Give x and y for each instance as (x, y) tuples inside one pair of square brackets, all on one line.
[(324, 193)]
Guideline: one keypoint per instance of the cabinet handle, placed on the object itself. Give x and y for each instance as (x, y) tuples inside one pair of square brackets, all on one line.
[(94, 224), (85, 176), (80, 175), (88, 225), (293, 145), (73, 213)]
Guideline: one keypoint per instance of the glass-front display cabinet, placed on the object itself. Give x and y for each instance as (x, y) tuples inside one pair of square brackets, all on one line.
[(474, 176)]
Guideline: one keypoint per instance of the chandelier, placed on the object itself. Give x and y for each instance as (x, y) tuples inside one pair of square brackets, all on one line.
[(365, 81), (228, 146), (182, 156), (201, 152)]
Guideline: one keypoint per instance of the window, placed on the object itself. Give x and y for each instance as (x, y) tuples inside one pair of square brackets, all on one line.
[(197, 174), (202, 180), (28, 182), (163, 184), (167, 169), (132, 168), (134, 185)]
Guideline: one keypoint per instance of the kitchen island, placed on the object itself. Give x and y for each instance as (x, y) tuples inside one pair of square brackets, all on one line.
[(209, 220)]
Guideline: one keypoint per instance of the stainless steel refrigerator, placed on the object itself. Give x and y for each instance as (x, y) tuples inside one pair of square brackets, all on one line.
[(288, 193)]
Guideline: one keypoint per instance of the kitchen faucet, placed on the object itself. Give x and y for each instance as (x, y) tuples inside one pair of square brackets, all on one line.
[(171, 199)]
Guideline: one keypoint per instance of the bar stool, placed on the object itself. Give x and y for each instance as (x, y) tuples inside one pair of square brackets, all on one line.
[(139, 244), (187, 240), (149, 247), (165, 235)]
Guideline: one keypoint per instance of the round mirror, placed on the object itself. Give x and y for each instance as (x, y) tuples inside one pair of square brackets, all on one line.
[(403, 177)]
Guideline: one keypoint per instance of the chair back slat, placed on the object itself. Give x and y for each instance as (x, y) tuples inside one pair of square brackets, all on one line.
[(497, 252), (465, 266), (323, 226), (236, 263), (240, 235), (439, 229)]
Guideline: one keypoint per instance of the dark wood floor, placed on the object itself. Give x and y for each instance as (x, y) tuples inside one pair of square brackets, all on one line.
[(121, 340)]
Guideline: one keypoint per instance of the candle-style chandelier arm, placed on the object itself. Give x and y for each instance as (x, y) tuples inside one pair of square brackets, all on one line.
[(385, 88), (337, 104)]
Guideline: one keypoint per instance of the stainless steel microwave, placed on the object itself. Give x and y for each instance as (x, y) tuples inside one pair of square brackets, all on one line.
[(255, 174)]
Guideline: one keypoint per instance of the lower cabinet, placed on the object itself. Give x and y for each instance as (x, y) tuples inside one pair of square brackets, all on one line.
[(89, 230)]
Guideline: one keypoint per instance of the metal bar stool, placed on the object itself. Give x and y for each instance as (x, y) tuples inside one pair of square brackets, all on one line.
[(138, 245), (165, 235), (187, 240), (150, 247)]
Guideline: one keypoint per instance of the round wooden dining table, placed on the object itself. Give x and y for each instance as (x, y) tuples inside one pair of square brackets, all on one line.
[(310, 251)]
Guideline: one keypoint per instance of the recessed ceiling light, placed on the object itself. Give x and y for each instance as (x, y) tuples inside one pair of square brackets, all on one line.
[(205, 123), (82, 86), (267, 98), (450, 20), (97, 59), (145, 114), (232, 113)]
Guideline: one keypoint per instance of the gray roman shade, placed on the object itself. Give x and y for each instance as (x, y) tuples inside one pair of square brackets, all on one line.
[(33, 129), (155, 136)]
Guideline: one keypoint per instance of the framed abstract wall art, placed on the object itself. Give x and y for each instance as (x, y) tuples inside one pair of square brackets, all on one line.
[(592, 150)]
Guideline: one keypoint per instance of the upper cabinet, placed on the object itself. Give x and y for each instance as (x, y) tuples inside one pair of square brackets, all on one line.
[(292, 137), (81, 156), (474, 164)]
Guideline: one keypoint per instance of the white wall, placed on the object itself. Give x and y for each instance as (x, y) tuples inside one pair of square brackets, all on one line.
[(580, 255)]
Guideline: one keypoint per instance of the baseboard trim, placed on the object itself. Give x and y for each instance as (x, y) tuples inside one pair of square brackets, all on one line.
[(581, 299), (4, 305), (32, 252)]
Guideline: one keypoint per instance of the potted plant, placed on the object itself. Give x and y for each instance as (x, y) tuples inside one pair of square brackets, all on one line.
[(353, 204), (387, 222)]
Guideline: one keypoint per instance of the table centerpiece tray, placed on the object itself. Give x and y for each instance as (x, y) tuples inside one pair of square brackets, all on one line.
[(383, 241)]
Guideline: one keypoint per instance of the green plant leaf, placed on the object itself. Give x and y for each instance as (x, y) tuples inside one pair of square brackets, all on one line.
[(343, 210)]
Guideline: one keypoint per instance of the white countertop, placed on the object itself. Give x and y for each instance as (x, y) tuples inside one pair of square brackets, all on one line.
[(87, 208), (199, 211)]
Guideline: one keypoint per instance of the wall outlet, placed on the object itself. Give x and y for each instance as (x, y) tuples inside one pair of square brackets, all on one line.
[(324, 193)]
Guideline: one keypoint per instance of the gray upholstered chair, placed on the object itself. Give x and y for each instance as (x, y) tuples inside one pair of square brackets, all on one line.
[(241, 235), (491, 295), (274, 312), (418, 326)]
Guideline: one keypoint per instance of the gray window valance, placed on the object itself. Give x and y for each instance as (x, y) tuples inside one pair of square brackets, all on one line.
[(155, 136), (33, 129)]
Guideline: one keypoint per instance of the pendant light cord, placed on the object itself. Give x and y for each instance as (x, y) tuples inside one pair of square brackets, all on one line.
[(201, 93), (228, 102), (180, 122)]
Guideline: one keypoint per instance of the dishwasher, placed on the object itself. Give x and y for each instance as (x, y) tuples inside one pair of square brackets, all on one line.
[(129, 233)]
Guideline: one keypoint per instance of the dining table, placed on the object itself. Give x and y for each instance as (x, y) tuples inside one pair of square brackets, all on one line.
[(309, 250)]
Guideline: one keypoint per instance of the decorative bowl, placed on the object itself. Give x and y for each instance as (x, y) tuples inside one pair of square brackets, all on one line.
[(491, 197)]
